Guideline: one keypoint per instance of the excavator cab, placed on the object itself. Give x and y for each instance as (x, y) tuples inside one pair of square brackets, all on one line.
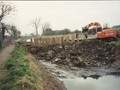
[(92, 31), (86, 28)]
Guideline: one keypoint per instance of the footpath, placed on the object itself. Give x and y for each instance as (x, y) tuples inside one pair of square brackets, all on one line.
[(4, 53)]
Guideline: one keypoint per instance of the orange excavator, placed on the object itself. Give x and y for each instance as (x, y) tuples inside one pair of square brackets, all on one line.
[(99, 32)]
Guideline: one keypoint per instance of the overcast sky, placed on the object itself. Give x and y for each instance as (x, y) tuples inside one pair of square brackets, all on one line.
[(65, 14)]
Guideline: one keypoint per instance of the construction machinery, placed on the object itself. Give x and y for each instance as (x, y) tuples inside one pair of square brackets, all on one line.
[(99, 32)]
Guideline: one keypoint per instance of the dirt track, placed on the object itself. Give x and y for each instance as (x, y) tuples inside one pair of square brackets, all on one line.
[(4, 54)]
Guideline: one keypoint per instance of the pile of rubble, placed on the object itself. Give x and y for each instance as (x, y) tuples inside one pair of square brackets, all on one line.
[(86, 53)]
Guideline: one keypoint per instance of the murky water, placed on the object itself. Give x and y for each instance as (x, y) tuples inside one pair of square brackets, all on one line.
[(95, 79), (103, 83)]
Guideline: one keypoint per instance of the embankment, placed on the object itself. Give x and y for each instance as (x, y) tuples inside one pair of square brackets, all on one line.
[(23, 72)]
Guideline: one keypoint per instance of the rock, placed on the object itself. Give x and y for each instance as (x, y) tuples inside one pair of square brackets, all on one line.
[(104, 63), (80, 59), (33, 50), (50, 53), (60, 46), (41, 54), (98, 64), (70, 64), (67, 59), (74, 68), (57, 59)]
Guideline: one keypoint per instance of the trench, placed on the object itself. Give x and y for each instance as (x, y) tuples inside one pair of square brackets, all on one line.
[(85, 65), (86, 79)]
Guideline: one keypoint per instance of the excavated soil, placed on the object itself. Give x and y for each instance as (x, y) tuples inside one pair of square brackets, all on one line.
[(83, 54)]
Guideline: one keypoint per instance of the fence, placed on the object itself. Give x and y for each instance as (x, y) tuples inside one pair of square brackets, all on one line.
[(41, 41), (57, 39)]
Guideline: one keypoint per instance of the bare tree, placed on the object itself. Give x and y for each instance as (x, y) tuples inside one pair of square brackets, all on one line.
[(35, 23), (6, 9), (45, 26)]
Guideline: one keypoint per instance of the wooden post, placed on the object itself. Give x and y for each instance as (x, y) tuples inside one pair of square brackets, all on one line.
[(34, 41), (31, 41), (67, 39), (62, 40), (58, 40), (48, 41), (42, 41), (78, 39), (53, 40), (37, 42), (73, 38)]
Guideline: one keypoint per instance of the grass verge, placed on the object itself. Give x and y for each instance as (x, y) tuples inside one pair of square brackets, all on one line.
[(21, 72)]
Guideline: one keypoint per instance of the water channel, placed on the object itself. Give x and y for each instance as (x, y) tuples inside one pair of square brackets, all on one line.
[(103, 83), (96, 79)]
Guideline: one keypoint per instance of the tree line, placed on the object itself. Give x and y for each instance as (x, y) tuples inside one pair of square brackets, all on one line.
[(116, 26), (7, 9), (47, 30), (65, 31)]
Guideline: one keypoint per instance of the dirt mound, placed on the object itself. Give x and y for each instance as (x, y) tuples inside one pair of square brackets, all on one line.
[(86, 53)]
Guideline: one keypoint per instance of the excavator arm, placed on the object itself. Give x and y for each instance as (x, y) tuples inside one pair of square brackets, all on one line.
[(85, 29)]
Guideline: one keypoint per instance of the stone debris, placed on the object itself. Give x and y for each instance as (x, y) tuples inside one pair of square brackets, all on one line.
[(86, 53)]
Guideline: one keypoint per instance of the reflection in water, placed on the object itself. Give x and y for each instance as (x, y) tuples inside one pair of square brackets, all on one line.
[(95, 79), (95, 76), (116, 74), (92, 76), (103, 83), (85, 77)]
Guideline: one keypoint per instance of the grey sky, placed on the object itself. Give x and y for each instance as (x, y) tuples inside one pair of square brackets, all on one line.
[(65, 14)]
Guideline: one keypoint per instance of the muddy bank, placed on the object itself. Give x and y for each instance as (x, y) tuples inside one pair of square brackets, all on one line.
[(83, 54), (49, 81)]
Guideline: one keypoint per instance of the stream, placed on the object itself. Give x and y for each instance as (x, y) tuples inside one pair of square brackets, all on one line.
[(103, 83), (93, 79)]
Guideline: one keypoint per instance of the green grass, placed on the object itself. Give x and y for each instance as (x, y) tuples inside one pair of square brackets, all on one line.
[(117, 28), (19, 75), (117, 43)]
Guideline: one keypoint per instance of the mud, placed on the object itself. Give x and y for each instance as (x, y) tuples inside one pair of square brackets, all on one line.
[(78, 55), (94, 73)]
